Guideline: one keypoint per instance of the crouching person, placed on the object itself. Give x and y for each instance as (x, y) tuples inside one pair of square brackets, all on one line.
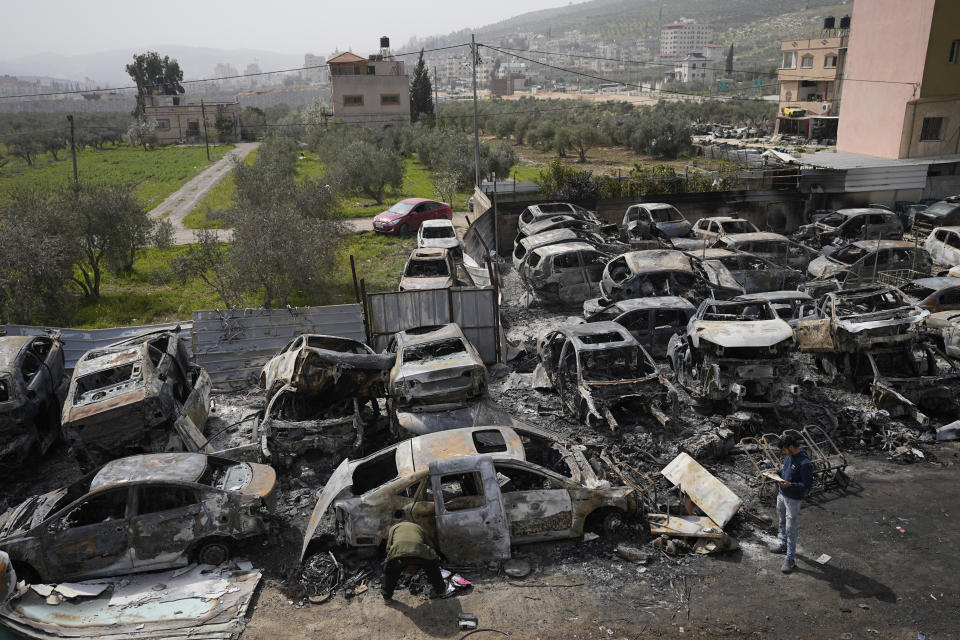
[(410, 547)]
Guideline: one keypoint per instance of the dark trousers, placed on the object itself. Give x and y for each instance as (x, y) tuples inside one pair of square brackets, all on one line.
[(393, 568)]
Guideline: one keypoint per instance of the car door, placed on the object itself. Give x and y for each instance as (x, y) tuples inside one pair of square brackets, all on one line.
[(538, 506), (951, 249), (90, 538), (418, 215), (569, 276), (471, 519), (166, 520), (816, 334), (637, 322), (666, 322)]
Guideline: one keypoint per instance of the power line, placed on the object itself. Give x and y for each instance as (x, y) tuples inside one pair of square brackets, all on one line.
[(239, 75)]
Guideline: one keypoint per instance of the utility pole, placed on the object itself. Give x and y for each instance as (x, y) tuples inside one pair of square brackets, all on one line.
[(73, 149), (476, 128), (206, 140), (436, 102)]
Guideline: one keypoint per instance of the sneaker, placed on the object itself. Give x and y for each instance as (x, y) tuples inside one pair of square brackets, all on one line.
[(780, 549), (387, 598), (788, 565)]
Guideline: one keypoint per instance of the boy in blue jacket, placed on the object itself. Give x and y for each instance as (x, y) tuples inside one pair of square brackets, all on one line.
[(797, 478)]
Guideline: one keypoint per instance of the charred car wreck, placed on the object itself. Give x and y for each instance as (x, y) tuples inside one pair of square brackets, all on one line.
[(602, 374), (138, 395), (477, 491), (736, 353), (33, 385), (323, 393), (869, 337)]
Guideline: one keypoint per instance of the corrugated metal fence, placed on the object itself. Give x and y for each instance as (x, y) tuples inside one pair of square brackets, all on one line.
[(77, 342), (472, 308), (234, 345)]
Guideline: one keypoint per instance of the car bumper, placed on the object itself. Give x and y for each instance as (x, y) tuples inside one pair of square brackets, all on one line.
[(380, 227)]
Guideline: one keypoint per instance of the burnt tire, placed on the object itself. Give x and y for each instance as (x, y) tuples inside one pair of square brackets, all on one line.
[(607, 521), (214, 551)]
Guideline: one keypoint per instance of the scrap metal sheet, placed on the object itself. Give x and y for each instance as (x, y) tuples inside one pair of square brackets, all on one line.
[(683, 526), (712, 496)]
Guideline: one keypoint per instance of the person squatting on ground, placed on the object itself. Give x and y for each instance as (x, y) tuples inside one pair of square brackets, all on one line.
[(797, 478), (409, 547)]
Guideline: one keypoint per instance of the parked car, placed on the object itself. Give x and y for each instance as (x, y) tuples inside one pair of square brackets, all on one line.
[(142, 513), (476, 491), (849, 225), (652, 321), (538, 212), (138, 395), (774, 247), (945, 213), (790, 305), (566, 272), (407, 215), (428, 269), (751, 272), (860, 261), (717, 226), (944, 328), (665, 272), (943, 245), (934, 294), (438, 234), (33, 385), (653, 220), (557, 236), (552, 223), (603, 375)]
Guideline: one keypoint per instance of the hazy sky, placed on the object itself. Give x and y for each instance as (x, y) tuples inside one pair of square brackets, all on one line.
[(86, 26)]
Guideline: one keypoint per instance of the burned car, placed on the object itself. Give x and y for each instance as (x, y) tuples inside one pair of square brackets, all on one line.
[(428, 269), (566, 272), (653, 220), (945, 213), (943, 327), (477, 491), (934, 294), (665, 272), (736, 354), (438, 234), (717, 226), (556, 222), (790, 305), (557, 236), (753, 273), (848, 225), (774, 247), (322, 394), (652, 321), (537, 212), (943, 245), (603, 375), (33, 385), (138, 395), (141, 513), (861, 261), (435, 368)]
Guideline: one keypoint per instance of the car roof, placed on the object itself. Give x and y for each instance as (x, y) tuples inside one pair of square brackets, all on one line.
[(714, 253), (937, 282), (654, 205), (436, 223), (151, 467), (428, 253), (859, 210), (415, 454), (564, 247), (658, 260), (870, 245), (11, 346), (558, 218), (553, 236), (577, 333), (654, 302), (774, 296), (416, 200), (723, 219), (955, 229), (754, 236)]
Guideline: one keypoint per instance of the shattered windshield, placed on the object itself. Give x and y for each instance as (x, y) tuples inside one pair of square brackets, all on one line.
[(618, 363), (739, 312), (739, 226), (401, 208), (438, 232), (427, 269), (833, 219), (666, 215), (434, 350), (850, 254), (917, 290)]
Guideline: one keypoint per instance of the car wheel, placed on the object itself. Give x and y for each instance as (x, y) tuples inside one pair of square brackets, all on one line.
[(612, 522), (214, 552), (403, 229)]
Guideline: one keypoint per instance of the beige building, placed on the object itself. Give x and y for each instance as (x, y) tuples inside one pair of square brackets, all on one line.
[(809, 78), (683, 37), (694, 68), (174, 120), (372, 91)]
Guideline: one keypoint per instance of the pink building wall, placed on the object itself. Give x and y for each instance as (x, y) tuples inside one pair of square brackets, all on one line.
[(888, 42)]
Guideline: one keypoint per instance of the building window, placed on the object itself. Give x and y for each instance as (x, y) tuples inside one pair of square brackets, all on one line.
[(353, 101), (932, 129), (954, 51), (371, 69), (806, 62), (830, 62), (163, 125), (789, 60), (389, 100)]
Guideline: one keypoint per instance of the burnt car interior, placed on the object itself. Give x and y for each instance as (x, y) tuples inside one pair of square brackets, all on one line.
[(427, 269), (439, 232), (434, 350), (614, 363), (296, 407), (738, 312), (95, 386), (375, 472)]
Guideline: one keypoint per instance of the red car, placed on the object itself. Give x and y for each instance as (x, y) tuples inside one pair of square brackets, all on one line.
[(406, 215)]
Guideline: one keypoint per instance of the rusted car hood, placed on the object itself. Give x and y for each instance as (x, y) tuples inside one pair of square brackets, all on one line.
[(824, 267), (437, 368), (755, 333), (29, 513), (865, 322), (338, 482)]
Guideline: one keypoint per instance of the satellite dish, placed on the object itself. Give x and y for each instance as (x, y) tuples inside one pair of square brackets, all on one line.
[(825, 107)]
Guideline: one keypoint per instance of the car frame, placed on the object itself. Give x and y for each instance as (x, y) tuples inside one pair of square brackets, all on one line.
[(713, 227), (638, 222), (450, 242), (652, 321), (877, 256), (412, 281), (943, 245), (566, 272), (844, 226), (664, 272), (752, 272), (538, 212)]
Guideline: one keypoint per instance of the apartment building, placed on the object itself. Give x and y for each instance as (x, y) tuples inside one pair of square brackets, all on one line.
[(373, 91), (809, 76), (684, 36)]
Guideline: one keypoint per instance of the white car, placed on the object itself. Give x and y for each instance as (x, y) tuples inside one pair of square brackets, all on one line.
[(438, 234)]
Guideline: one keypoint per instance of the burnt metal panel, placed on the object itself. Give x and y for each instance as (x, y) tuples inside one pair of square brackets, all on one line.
[(234, 345)]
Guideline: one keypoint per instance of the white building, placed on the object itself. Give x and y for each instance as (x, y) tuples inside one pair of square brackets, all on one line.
[(683, 37), (694, 68)]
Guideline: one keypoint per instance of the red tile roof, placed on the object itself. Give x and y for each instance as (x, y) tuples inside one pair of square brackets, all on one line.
[(346, 56)]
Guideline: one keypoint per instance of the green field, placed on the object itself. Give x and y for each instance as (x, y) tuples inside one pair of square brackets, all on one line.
[(156, 173), (152, 294), (217, 200)]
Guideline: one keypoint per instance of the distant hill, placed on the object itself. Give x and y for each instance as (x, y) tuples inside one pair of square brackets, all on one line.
[(107, 67)]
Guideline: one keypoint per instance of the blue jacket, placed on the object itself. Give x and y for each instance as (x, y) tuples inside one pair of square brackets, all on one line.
[(798, 470)]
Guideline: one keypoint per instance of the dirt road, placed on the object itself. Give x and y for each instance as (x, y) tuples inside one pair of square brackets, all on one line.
[(182, 201), (879, 583)]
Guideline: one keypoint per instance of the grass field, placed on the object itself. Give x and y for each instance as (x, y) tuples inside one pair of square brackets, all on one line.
[(219, 199), (156, 173), (152, 294)]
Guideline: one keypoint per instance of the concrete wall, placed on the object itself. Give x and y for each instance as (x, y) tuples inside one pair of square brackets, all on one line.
[(178, 118), (949, 143), (888, 46)]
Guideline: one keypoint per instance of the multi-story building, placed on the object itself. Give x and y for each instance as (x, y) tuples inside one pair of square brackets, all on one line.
[(809, 75), (174, 120), (372, 91), (683, 37), (694, 68), (901, 87), (315, 71)]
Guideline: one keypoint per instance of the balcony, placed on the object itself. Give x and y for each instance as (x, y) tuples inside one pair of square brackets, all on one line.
[(811, 107)]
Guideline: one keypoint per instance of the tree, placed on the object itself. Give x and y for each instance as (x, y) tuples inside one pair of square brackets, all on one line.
[(24, 145), (224, 126), (446, 183), (364, 167), (140, 132), (421, 91), (154, 75), (584, 137), (252, 123), (53, 143), (208, 259), (729, 68)]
